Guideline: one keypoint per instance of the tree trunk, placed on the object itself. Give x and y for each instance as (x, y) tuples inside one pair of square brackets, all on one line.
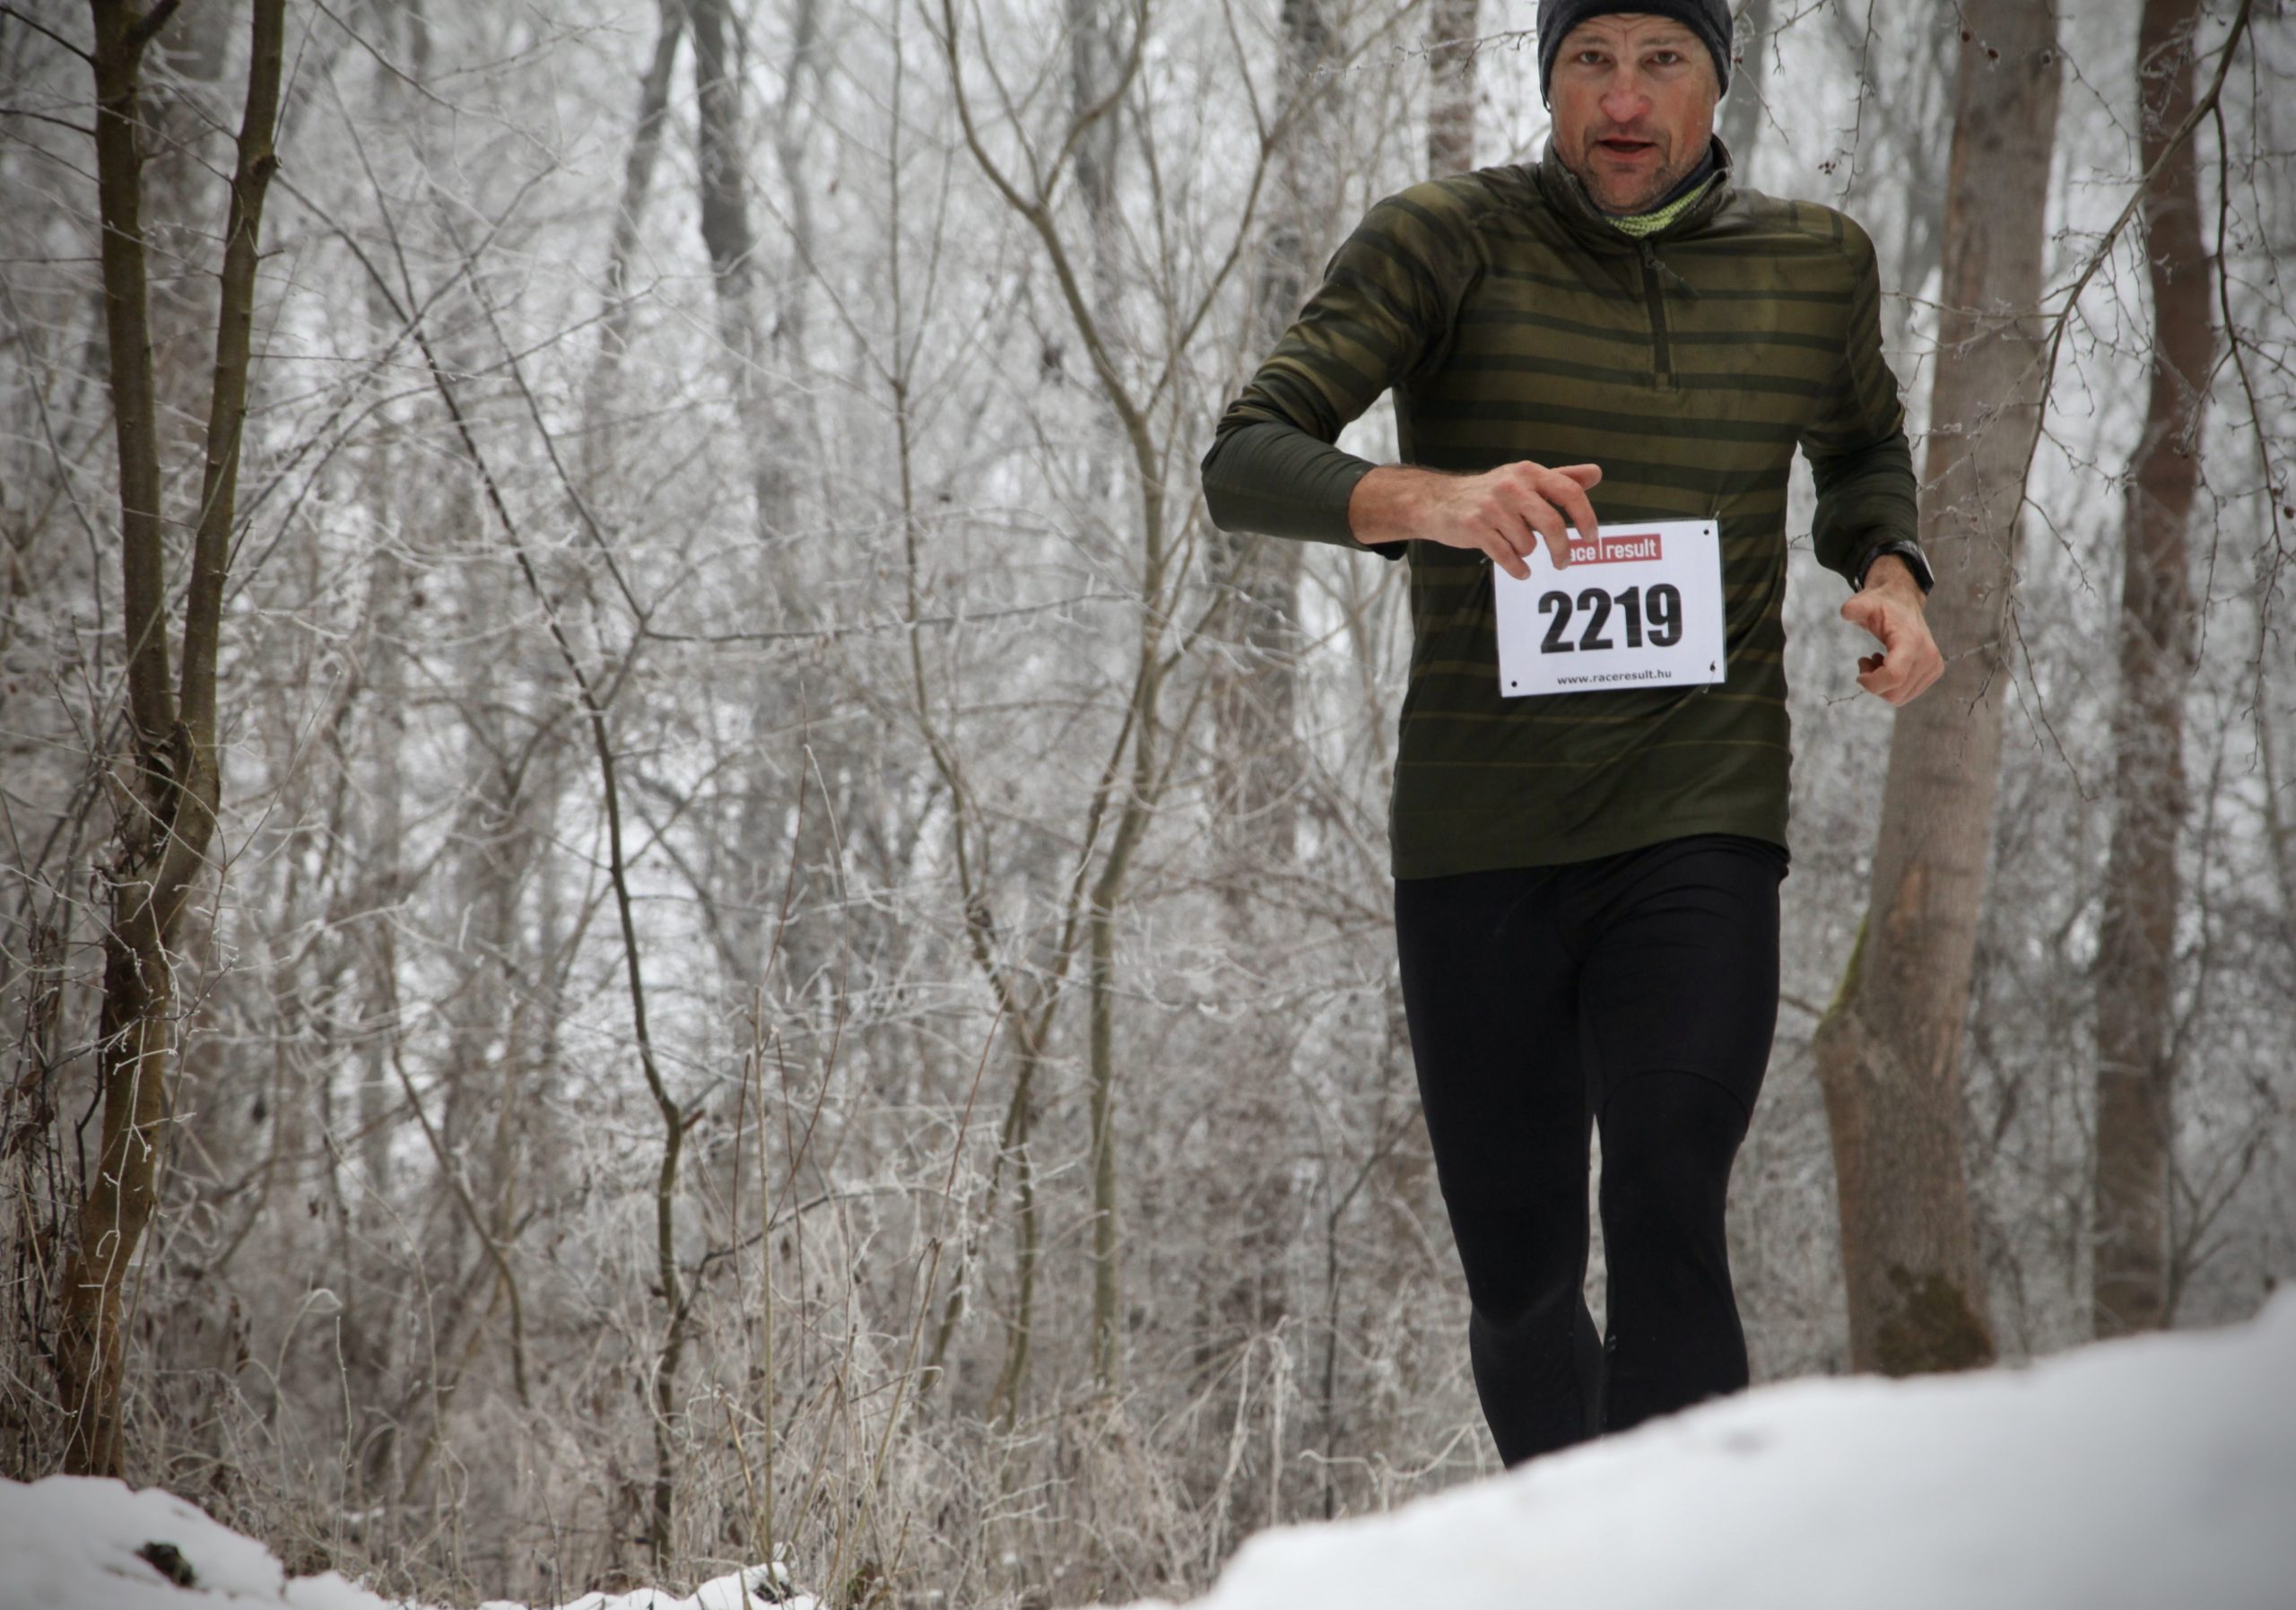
[(636, 185), (1256, 697), (731, 241), (1888, 1053), (1743, 113), (2134, 1067), (1249, 1213), (1450, 85), (805, 782), (1095, 77), (173, 786)]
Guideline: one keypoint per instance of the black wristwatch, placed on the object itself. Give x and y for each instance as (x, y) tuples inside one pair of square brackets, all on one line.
[(1915, 559)]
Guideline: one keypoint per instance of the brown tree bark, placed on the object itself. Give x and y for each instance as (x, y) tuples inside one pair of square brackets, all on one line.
[(170, 792), (1888, 1053), (2135, 1066)]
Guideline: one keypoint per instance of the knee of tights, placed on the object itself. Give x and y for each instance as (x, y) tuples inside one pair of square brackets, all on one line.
[(1674, 1114), (1551, 1306)]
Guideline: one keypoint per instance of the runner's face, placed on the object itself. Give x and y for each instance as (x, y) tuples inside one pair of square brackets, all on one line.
[(1633, 98)]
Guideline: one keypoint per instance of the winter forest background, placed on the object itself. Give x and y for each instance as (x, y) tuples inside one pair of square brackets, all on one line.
[(793, 957)]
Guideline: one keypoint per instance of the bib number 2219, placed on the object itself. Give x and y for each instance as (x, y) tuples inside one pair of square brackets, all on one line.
[(1638, 606), (1654, 617)]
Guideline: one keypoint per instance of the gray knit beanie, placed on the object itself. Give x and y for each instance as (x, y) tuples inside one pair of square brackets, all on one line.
[(1708, 18)]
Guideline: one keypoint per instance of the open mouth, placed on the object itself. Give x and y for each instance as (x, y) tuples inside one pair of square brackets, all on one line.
[(1626, 149)]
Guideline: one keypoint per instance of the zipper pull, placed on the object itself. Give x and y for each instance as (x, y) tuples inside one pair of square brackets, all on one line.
[(1656, 264)]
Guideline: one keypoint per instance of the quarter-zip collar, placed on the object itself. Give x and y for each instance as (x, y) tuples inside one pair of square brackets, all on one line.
[(1591, 228), (1571, 204)]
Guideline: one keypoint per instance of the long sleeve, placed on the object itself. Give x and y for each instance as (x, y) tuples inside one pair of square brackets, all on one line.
[(1384, 309), (1858, 455)]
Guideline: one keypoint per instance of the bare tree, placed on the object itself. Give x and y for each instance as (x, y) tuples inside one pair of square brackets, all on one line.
[(167, 810), (2135, 965), (1257, 640), (1888, 1053)]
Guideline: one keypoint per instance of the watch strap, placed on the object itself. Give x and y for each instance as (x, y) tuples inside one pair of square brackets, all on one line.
[(1915, 559)]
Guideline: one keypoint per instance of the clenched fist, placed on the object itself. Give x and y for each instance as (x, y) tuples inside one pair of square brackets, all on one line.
[(1891, 606)]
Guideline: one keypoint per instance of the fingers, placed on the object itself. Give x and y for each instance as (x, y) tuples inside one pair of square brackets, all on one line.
[(1874, 675), (1544, 523), (1566, 490), (1508, 541), (1508, 555), (1508, 513), (1910, 663), (1523, 505), (1887, 676), (1892, 687)]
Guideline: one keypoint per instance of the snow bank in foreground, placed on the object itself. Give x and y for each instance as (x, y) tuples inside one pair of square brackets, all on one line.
[(2159, 1472), (2151, 1475), (74, 1543)]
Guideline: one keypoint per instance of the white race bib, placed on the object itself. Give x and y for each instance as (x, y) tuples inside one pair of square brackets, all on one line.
[(1640, 606)]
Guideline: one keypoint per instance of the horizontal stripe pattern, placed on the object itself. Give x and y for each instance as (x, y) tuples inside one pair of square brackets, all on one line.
[(1513, 322)]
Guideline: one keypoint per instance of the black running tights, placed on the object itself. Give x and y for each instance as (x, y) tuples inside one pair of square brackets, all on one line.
[(1637, 992)]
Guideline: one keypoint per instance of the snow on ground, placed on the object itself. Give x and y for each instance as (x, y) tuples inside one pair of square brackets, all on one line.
[(2158, 1474), (77, 1544)]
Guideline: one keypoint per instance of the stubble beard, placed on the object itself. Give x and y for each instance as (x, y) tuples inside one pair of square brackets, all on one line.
[(1663, 180)]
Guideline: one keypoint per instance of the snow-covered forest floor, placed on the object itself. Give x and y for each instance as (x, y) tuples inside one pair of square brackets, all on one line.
[(2150, 1473)]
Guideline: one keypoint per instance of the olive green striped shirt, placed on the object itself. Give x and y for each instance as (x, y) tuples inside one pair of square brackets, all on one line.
[(1513, 321)]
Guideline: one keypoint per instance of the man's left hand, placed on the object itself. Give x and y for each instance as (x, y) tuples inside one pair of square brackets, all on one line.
[(1891, 606)]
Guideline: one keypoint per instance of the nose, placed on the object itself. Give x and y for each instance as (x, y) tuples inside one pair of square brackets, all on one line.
[(1626, 98)]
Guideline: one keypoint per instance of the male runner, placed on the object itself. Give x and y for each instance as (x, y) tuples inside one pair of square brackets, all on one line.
[(1586, 882)]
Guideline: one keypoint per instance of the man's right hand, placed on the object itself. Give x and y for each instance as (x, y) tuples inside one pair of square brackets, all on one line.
[(1503, 513)]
